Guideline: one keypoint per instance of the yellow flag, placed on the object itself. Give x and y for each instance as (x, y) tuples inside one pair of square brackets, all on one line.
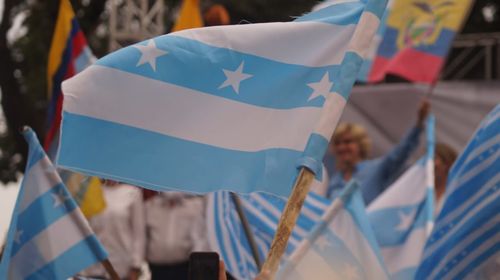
[(87, 193), (189, 16)]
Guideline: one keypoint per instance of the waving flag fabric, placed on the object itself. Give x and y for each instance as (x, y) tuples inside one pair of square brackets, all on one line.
[(227, 237), (465, 241), (226, 107), (417, 38), (402, 216), (342, 245), (48, 238)]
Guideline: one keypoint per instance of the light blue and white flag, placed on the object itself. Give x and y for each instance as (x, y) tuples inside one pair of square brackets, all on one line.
[(342, 245), (402, 217), (48, 238), (226, 234), (236, 107), (465, 241)]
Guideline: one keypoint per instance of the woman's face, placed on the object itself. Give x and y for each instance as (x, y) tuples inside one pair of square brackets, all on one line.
[(346, 149)]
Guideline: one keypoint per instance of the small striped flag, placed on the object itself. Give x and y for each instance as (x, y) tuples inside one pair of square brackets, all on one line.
[(48, 238)]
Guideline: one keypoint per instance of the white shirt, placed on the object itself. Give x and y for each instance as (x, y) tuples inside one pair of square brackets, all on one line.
[(121, 229), (175, 227)]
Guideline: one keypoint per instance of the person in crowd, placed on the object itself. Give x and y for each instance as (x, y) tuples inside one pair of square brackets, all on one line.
[(444, 158), (350, 147), (175, 227), (121, 229)]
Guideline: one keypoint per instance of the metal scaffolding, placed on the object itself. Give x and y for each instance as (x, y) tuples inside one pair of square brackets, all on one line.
[(131, 21), (473, 52)]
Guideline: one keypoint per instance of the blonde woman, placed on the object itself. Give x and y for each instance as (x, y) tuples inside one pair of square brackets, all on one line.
[(350, 146)]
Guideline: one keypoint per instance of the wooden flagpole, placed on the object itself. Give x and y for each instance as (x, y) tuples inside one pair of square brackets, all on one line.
[(110, 269), (287, 222)]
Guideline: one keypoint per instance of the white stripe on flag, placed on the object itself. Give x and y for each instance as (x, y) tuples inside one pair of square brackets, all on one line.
[(42, 175), (348, 231), (401, 257), (216, 121), (360, 44), (402, 197), (49, 244), (289, 47)]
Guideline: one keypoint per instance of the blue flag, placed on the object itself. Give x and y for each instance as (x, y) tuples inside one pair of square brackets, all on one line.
[(226, 233), (465, 241), (48, 238), (236, 107), (342, 245), (402, 216)]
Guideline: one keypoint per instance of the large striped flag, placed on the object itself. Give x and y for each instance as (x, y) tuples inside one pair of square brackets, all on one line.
[(465, 241), (416, 39), (226, 107), (48, 238), (341, 245), (69, 55), (402, 216), (226, 234)]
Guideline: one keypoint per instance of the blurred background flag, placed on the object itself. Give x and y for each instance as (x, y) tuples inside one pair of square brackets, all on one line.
[(48, 238), (341, 245), (238, 107), (226, 234), (402, 216), (416, 38), (69, 54), (189, 16), (465, 241)]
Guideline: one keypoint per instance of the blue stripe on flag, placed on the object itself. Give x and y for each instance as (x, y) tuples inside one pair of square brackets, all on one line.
[(471, 187), (376, 7), (348, 74), (31, 227), (277, 165), (340, 14), (72, 260), (270, 85), (470, 248), (386, 220)]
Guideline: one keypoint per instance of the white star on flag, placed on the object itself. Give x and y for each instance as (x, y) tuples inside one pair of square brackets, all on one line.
[(350, 272), (234, 78), (405, 221), (59, 198), (149, 54), (17, 236), (321, 88)]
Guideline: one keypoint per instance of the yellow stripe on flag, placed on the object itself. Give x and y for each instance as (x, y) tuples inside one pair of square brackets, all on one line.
[(189, 16), (59, 39)]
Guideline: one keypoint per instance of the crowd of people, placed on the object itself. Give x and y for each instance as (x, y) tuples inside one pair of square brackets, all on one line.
[(162, 229)]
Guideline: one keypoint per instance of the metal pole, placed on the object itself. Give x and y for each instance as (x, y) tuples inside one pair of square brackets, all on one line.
[(246, 228)]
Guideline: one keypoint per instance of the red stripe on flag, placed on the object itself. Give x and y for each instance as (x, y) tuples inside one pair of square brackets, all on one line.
[(413, 65)]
